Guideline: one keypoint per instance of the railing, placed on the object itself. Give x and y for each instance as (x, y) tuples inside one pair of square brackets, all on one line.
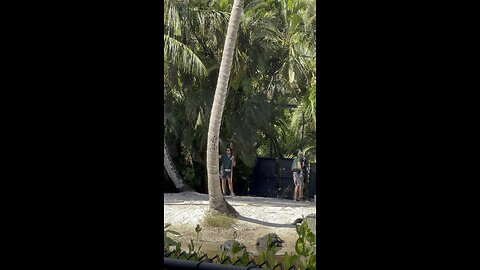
[(192, 261)]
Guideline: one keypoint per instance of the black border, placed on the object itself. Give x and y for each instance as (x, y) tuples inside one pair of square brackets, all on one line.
[(85, 132)]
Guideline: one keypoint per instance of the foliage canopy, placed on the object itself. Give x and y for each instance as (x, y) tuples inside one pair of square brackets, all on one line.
[(270, 109)]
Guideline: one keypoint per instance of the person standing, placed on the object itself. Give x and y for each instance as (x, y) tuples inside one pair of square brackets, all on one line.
[(297, 166), (228, 162)]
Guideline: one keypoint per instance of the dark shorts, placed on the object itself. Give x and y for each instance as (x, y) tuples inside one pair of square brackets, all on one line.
[(226, 174)]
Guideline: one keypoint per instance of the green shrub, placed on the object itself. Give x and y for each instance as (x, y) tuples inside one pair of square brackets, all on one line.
[(218, 220), (191, 246), (305, 246), (167, 241)]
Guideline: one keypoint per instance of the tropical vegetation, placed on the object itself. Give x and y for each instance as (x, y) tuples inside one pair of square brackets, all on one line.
[(270, 101), (304, 257)]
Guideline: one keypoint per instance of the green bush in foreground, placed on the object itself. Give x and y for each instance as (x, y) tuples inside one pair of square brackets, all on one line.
[(167, 241), (305, 247)]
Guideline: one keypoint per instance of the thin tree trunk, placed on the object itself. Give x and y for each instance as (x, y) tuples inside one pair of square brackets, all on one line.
[(216, 201), (278, 148), (272, 121), (303, 127), (172, 170)]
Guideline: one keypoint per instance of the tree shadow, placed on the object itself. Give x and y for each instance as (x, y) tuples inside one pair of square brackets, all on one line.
[(240, 200), (264, 223), (180, 203)]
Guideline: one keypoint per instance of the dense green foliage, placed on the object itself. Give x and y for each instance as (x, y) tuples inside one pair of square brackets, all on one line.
[(270, 109), (304, 257)]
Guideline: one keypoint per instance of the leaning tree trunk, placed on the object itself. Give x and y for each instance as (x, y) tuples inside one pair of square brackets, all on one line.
[(172, 170), (216, 201)]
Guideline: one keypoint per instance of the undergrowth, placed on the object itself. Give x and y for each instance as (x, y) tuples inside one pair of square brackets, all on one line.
[(303, 258), (218, 220)]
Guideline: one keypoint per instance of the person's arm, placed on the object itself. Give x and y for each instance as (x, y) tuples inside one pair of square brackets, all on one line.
[(299, 165)]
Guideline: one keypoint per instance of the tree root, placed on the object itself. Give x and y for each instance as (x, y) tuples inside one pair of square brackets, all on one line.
[(223, 208)]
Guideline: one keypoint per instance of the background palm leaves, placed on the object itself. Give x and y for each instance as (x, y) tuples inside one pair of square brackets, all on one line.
[(270, 108), (182, 56)]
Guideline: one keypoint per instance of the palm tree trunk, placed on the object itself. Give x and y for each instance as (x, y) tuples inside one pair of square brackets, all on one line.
[(216, 201), (172, 170)]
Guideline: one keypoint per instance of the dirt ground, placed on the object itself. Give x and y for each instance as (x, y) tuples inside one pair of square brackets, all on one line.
[(258, 216)]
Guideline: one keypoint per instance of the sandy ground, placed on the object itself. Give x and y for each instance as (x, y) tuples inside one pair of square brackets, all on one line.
[(258, 216)]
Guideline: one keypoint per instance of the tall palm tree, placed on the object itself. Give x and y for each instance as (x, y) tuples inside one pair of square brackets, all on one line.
[(177, 57), (172, 170), (179, 54), (175, 51), (272, 70), (277, 39), (217, 202)]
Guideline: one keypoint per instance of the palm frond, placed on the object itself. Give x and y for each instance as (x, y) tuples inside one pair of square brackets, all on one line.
[(171, 18), (184, 57)]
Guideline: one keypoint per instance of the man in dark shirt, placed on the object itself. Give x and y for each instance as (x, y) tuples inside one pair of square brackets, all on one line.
[(228, 162)]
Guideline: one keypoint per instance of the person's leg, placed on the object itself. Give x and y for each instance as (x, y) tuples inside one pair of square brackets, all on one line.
[(223, 185), (293, 175), (300, 186), (295, 182)]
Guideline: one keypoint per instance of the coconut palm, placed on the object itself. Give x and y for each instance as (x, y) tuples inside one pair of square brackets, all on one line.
[(272, 72), (172, 170), (179, 59), (180, 54), (217, 202), (278, 41)]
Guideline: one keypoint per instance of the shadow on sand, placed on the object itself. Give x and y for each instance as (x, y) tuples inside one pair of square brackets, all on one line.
[(195, 198), (264, 223)]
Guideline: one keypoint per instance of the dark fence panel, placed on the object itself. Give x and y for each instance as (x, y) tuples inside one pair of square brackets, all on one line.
[(239, 186), (285, 188), (265, 187), (284, 168), (273, 178), (263, 181), (265, 167)]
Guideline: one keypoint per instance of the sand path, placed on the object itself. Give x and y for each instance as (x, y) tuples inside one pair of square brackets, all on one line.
[(258, 216)]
